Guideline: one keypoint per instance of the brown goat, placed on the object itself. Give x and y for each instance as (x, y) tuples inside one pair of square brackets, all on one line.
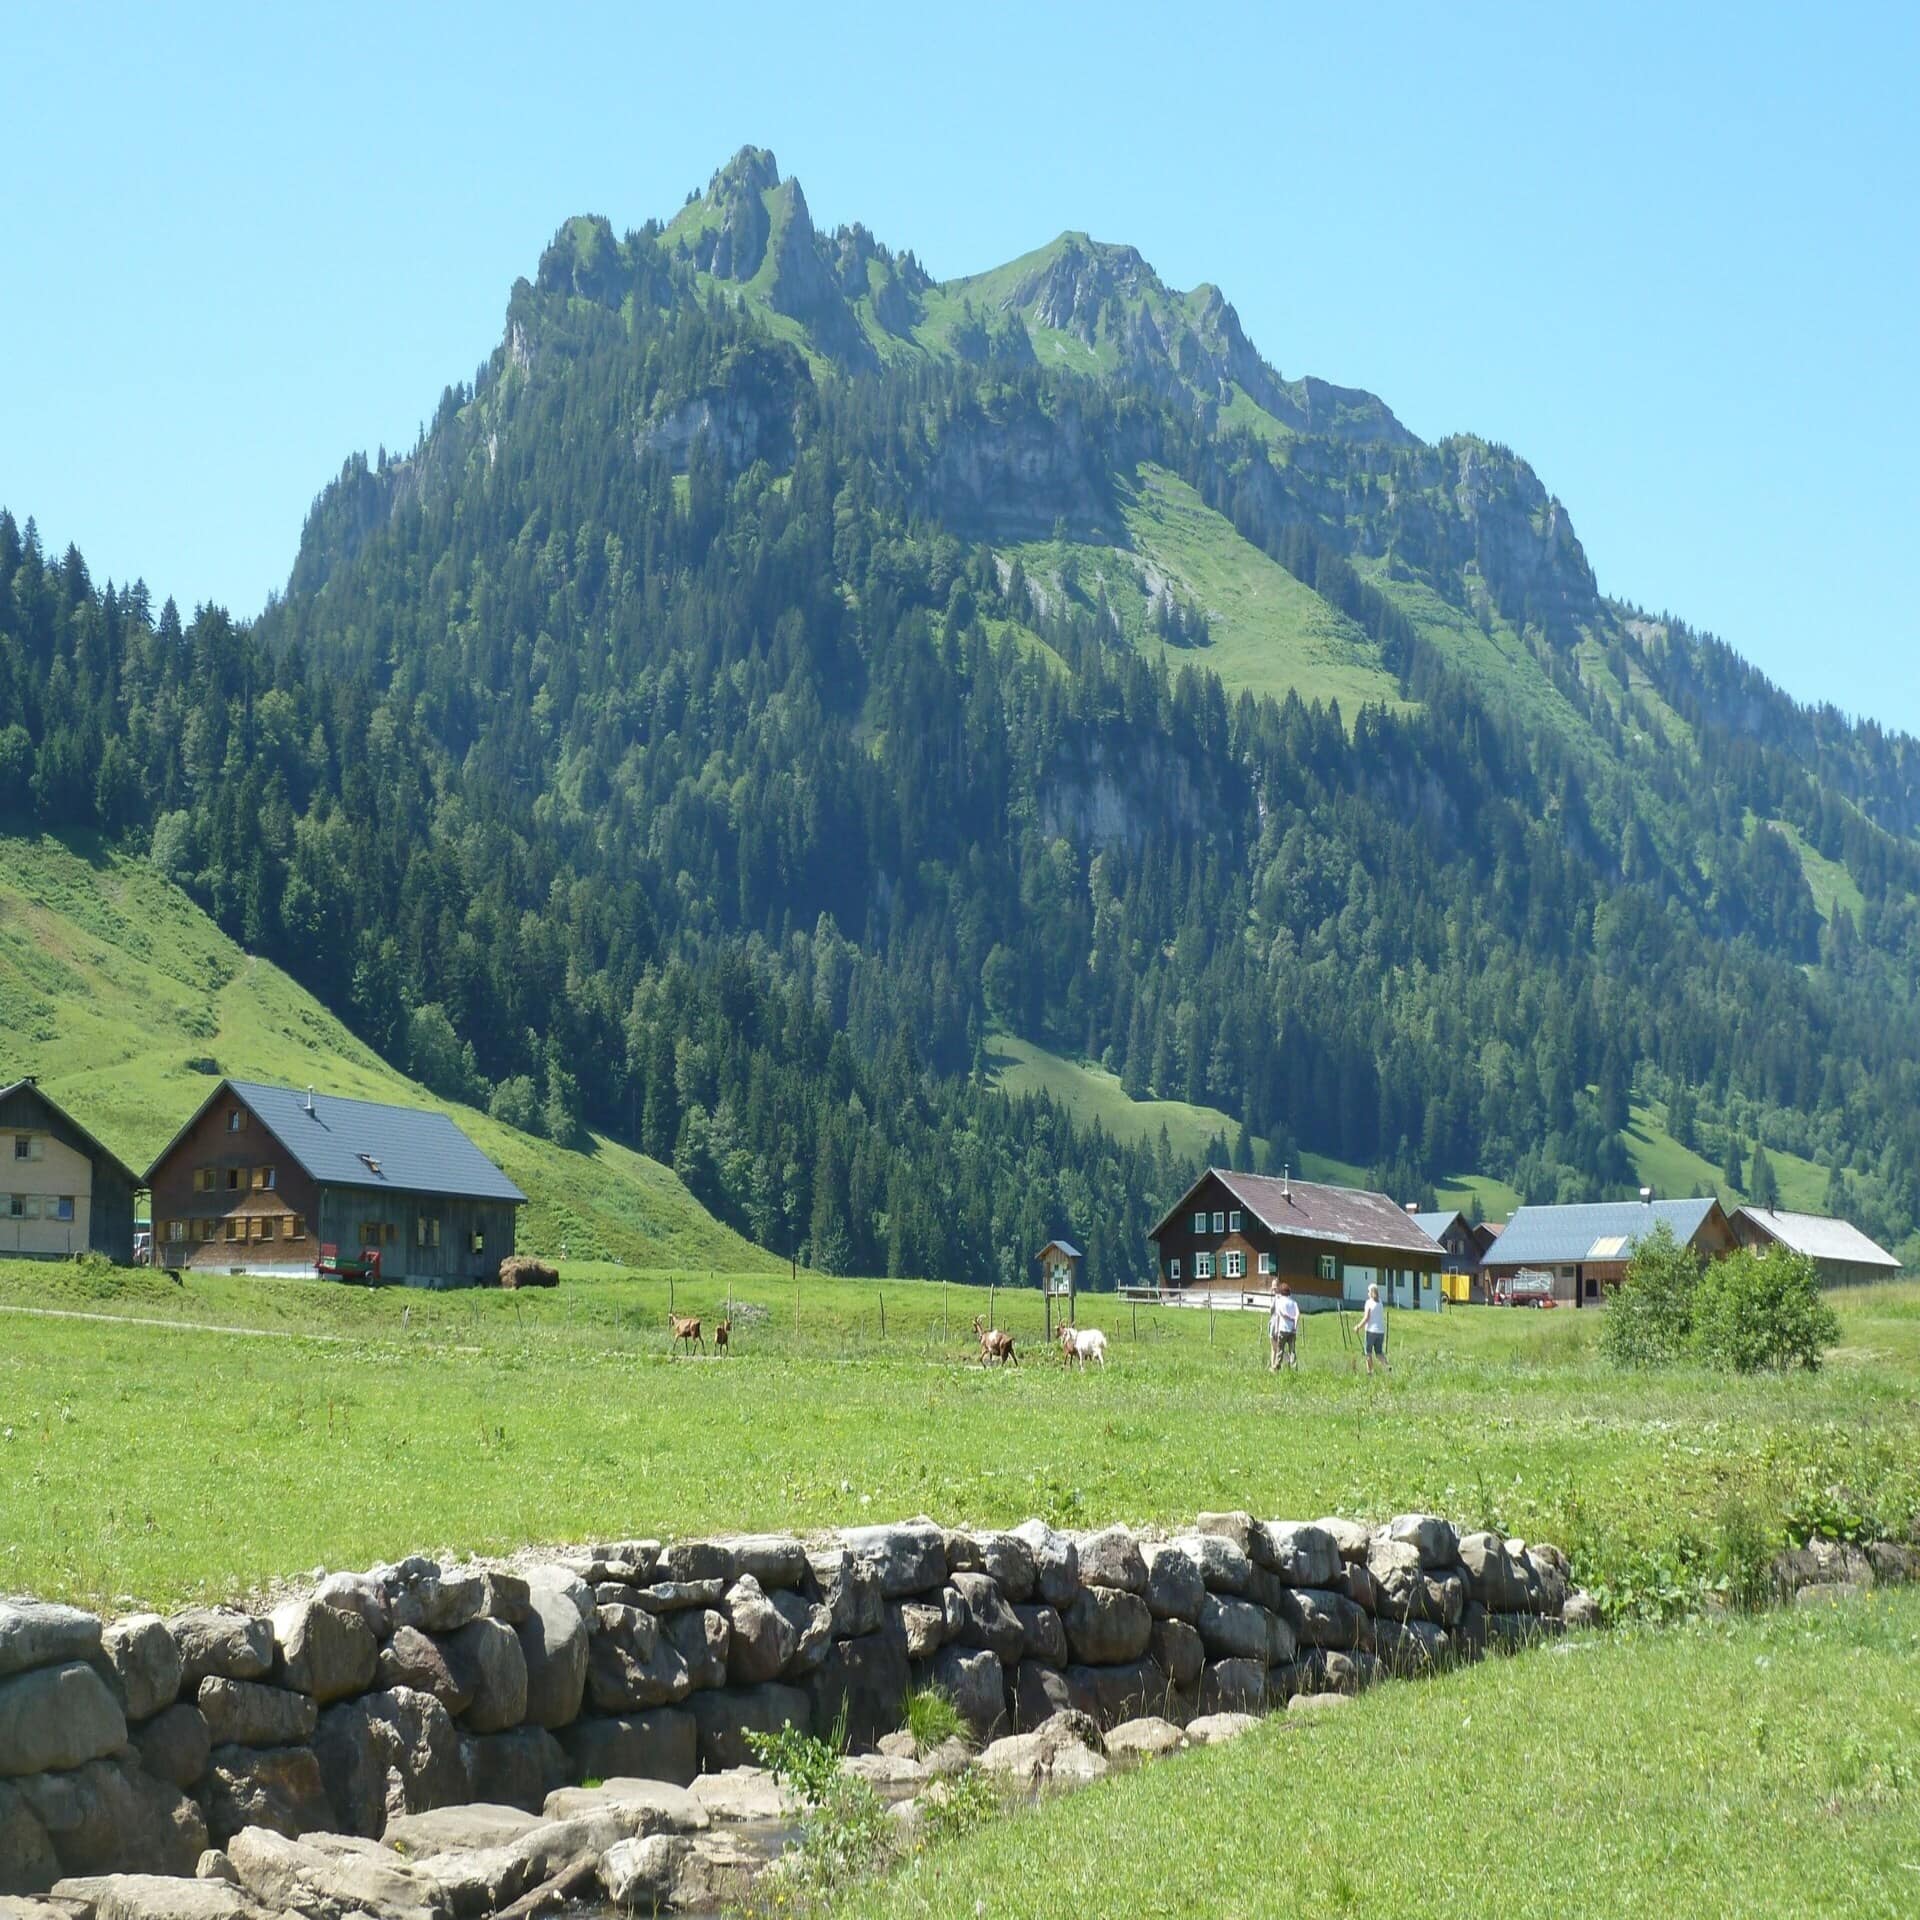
[(995, 1344), (722, 1331), (687, 1332)]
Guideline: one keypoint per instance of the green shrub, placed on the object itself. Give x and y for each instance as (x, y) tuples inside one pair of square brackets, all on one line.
[(931, 1718), (1742, 1559), (1754, 1311), (1649, 1320)]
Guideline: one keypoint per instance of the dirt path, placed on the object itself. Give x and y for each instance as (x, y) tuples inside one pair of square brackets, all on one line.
[(178, 1326)]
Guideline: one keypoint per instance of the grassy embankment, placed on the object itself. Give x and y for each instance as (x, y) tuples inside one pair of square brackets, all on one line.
[(160, 1463), (1761, 1766), (125, 999)]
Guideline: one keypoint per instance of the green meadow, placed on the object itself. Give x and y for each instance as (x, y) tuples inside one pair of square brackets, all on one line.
[(206, 1437)]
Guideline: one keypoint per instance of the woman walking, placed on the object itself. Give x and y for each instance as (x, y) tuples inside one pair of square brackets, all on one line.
[(1373, 1329)]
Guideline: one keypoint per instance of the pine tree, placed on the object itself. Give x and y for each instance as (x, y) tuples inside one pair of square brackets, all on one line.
[(1761, 1184)]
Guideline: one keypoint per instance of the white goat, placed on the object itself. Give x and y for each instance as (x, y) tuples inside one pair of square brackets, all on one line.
[(1078, 1345)]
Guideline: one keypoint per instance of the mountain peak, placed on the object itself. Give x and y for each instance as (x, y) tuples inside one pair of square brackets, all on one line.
[(751, 170)]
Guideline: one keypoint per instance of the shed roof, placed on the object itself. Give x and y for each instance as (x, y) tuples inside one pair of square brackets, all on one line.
[(365, 1143), (1060, 1246), (1348, 1215), (1819, 1237), (32, 1086), (1604, 1230), (1434, 1225)]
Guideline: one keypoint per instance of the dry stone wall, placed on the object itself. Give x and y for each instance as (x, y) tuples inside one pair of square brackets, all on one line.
[(131, 1746)]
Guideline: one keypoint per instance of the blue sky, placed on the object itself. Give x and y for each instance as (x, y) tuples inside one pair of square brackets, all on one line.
[(1673, 261)]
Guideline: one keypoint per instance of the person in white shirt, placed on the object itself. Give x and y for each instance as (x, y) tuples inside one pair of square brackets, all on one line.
[(1283, 1329), (1373, 1328)]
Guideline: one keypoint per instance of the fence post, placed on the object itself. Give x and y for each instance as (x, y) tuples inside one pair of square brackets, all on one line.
[(883, 1316), (1136, 1319)]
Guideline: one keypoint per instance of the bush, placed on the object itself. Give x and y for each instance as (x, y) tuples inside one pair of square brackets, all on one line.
[(932, 1718), (1753, 1311), (1649, 1320)]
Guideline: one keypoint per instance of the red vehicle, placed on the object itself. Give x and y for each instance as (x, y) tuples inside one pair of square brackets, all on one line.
[(363, 1266)]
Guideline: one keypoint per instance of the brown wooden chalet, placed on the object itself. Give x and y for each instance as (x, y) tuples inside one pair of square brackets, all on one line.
[(262, 1178), (1235, 1232)]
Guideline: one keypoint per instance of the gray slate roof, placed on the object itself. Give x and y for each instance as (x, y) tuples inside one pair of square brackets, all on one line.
[(1820, 1237), (1606, 1230), (412, 1151), (1433, 1225)]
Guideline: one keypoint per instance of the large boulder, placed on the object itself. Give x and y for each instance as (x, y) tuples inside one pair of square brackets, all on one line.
[(1320, 1617), (909, 1556), (1108, 1626), (1415, 1649), (1233, 1686), (1056, 1561), (866, 1678), (175, 1746), (39, 1633), (1283, 1644), (419, 1661), (1039, 1692), (278, 1788), (1043, 1634), (975, 1683), (776, 1560), (28, 1863), (359, 1594), (1433, 1538), (504, 1596), (114, 1817), (726, 1715), (1109, 1695), (553, 1648), (145, 1662), (157, 1896), (1178, 1649), (1350, 1536), (1223, 1562), (1062, 1752), (760, 1638), (389, 1753), (1005, 1557), (1404, 1589), (988, 1622), (812, 1625), (1233, 1629), (516, 1769), (1175, 1588), (222, 1642), (486, 1661), (288, 1876), (53, 1717), (437, 1600), (1547, 1577), (323, 1651), (1236, 1526), (696, 1560), (631, 1663), (1147, 1738), (923, 1627), (849, 1590), (703, 1640), (243, 1713), (663, 1744), (1300, 1554), (1112, 1558)]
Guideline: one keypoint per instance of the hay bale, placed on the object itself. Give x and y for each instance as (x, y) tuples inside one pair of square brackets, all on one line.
[(521, 1271)]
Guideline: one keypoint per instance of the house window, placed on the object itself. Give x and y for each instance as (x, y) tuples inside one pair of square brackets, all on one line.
[(376, 1233), (1235, 1264), (1219, 1223), (1203, 1266), (296, 1227), (236, 1230), (208, 1228), (26, 1206), (236, 1179), (236, 1119), (1233, 1221), (203, 1179), (479, 1242), (63, 1207), (263, 1179), (1200, 1222), (176, 1231), (23, 1146), (426, 1232), (16, 1206), (1173, 1271), (1266, 1263), (268, 1226), (1329, 1266)]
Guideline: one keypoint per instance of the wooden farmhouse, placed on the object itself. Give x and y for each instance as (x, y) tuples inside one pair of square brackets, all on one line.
[(1463, 1245), (61, 1191), (1842, 1255), (1573, 1255), (261, 1178), (1234, 1232)]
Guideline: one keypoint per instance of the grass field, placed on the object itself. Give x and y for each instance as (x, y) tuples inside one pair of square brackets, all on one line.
[(1759, 1766), (112, 981), (162, 1462)]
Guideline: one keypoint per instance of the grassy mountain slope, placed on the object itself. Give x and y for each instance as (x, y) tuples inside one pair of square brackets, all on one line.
[(112, 981)]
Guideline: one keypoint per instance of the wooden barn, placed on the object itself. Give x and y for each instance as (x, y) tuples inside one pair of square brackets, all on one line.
[(1463, 1245), (1842, 1255), (1575, 1254), (261, 1178), (1235, 1232), (61, 1191)]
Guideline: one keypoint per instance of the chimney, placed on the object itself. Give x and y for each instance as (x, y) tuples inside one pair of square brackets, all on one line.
[(1646, 1196), (1286, 1183), (1413, 1206), (309, 1099)]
